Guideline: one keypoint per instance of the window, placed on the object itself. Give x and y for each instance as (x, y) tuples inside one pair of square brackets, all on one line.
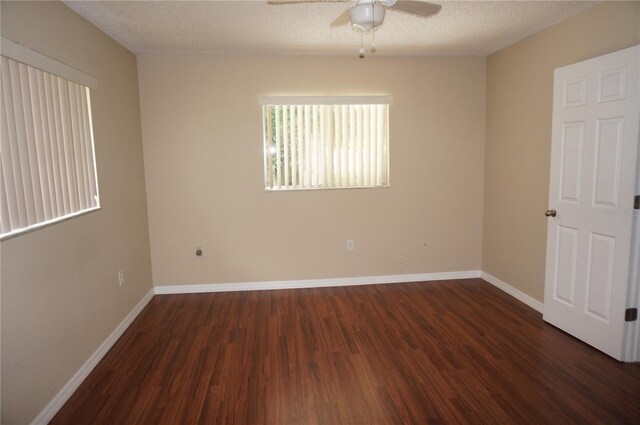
[(325, 142), (47, 158)]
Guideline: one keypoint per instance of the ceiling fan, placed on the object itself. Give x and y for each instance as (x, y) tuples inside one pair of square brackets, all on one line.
[(368, 14)]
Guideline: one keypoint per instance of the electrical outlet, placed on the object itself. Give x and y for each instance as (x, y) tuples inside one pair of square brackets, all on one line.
[(121, 277), (351, 245)]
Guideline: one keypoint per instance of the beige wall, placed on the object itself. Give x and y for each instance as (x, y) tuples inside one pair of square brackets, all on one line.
[(60, 294), (202, 135), (519, 104)]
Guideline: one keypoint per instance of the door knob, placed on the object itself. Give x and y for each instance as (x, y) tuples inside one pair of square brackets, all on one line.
[(550, 213)]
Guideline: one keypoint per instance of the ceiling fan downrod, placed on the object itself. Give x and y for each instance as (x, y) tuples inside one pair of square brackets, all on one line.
[(358, 20)]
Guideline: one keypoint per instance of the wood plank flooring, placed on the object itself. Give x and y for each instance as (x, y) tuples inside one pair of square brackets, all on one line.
[(419, 353)]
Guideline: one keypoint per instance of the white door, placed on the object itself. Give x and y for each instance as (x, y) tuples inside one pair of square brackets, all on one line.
[(594, 157)]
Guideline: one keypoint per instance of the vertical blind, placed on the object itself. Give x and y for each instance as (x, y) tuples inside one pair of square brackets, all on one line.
[(46, 154), (310, 146)]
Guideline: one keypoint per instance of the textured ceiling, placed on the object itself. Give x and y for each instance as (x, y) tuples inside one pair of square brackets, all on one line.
[(249, 26)]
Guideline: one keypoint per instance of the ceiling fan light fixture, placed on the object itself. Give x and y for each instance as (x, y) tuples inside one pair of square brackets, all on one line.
[(366, 16)]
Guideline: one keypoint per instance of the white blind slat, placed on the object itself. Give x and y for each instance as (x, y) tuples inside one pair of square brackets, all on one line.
[(314, 146), (46, 145), (269, 148), (89, 152), (61, 164), (359, 146), (31, 149), (54, 131), (16, 150), (36, 101), (5, 220), (337, 133), (382, 124), (307, 147), (345, 146), (299, 127), (322, 144), (374, 144), (77, 142), (294, 147), (366, 145), (80, 94), (67, 141), (9, 184), (285, 142), (278, 156), (353, 124), (328, 151)]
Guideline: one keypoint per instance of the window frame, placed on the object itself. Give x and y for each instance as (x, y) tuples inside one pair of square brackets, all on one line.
[(267, 101), (22, 54)]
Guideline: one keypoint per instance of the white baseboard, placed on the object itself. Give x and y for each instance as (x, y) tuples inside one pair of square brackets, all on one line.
[(65, 393), (515, 293), (315, 283), (350, 281)]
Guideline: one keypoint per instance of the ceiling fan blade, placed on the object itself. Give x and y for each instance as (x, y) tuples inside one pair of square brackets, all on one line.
[(343, 19), (418, 8), (283, 2)]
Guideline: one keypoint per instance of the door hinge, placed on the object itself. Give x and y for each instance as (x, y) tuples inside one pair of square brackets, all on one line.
[(636, 202), (631, 315)]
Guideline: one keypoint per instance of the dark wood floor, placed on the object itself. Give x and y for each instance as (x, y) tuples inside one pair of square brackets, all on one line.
[(437, 352)]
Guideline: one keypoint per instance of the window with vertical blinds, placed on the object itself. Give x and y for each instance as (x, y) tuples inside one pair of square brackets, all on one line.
[(47, 161), (326, 142)]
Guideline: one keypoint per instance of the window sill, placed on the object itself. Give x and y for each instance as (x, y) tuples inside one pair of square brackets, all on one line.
[(299, 189), (37, 226)]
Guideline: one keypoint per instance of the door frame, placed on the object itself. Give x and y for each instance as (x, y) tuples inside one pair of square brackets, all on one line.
[(631, 341)]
